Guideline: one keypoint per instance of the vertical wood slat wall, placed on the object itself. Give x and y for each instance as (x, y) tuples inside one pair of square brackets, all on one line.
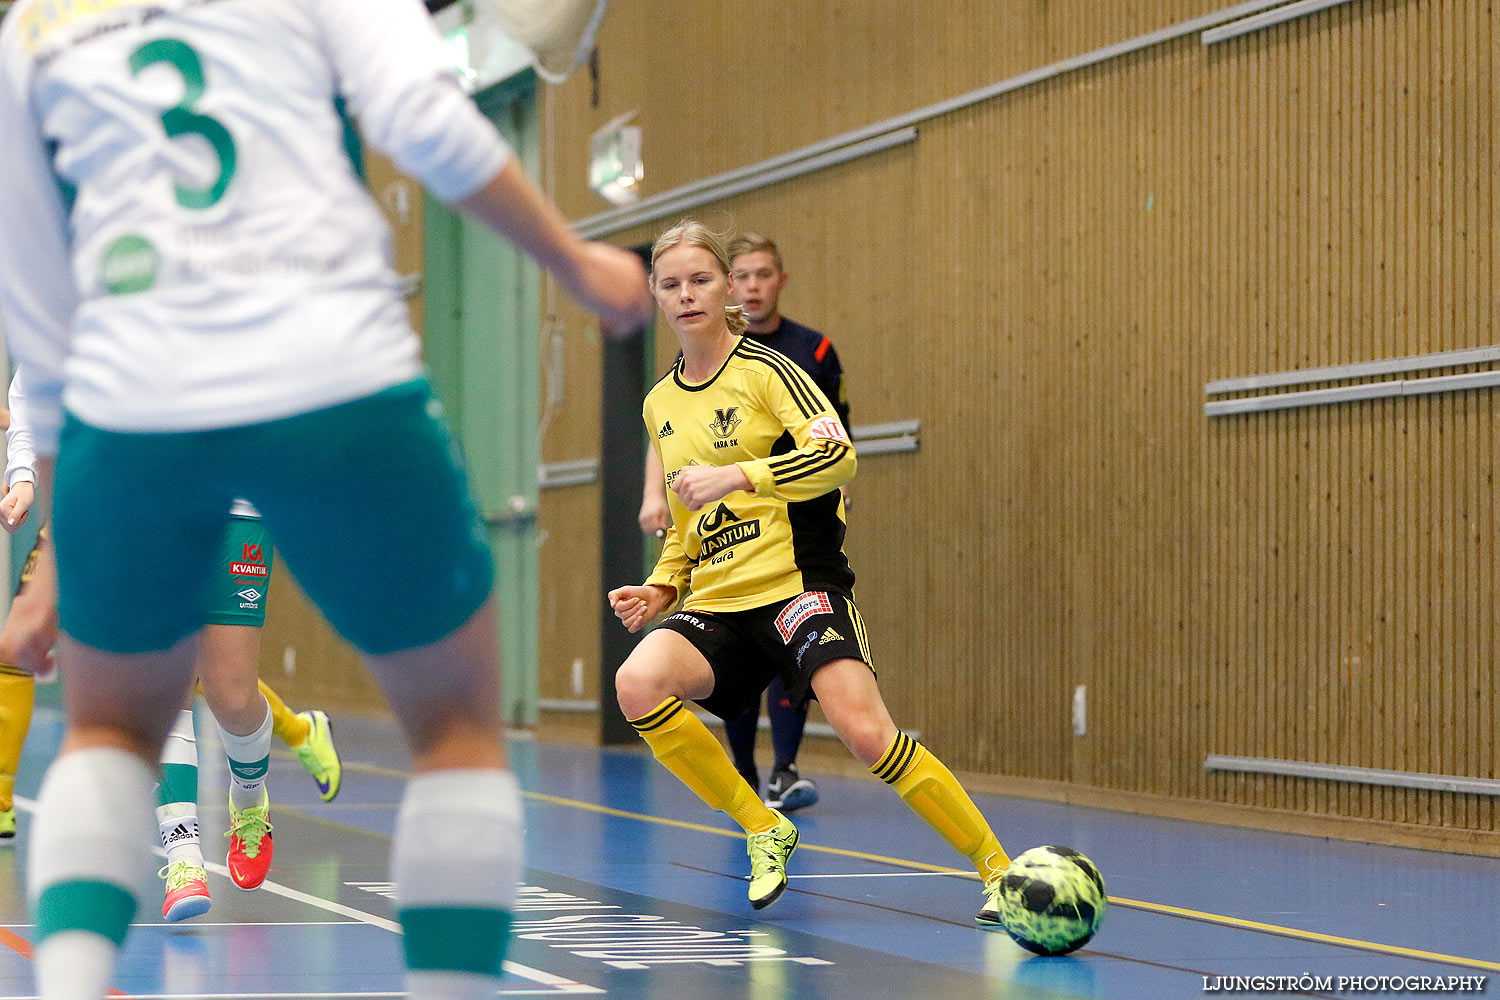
[(1046, 281)]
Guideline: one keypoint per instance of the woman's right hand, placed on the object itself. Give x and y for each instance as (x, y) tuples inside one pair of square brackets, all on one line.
[(612, 284), (655, 518), (31, 630), (635, 606), (16, 505)]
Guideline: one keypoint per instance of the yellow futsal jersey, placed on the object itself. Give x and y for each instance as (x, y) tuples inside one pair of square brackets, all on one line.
[(786, 537)]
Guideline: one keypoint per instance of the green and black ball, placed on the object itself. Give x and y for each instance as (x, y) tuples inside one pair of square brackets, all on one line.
[(1052, 900)]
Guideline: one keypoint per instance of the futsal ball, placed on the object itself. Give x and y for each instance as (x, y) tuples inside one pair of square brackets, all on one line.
[(1051, 900)]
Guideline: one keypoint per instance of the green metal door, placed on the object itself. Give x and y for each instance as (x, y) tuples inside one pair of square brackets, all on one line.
[(482, 349)]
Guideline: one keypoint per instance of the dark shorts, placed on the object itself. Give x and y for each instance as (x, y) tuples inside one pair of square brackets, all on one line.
[(242, 578), (790, 640)]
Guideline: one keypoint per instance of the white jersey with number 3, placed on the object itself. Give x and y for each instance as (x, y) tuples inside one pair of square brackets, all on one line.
[(184, 241)]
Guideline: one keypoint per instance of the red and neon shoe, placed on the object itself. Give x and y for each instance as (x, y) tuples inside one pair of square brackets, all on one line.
[(187, 891), (250, 844)]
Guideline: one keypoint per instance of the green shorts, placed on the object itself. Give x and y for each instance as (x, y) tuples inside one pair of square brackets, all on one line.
[(242, 575), (138, 521)]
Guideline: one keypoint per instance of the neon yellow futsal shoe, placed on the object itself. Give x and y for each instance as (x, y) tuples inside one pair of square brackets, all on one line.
[(769, 853), (187, 891), (7, 824), (317, 755), (250, 846)]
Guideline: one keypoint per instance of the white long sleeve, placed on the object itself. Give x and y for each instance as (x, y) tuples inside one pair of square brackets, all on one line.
[(37, 305), (20, 443), (219, 262)]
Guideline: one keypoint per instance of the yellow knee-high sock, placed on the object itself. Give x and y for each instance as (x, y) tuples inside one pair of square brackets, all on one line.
[(685, 747), (288, 726), (934, 794), (17, 693)]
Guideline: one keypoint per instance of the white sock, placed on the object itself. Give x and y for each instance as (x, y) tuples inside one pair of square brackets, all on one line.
[(177, 799), (456, 860), (73, 964), (449, 986), (179, 833), (249, 762), (90, 850)]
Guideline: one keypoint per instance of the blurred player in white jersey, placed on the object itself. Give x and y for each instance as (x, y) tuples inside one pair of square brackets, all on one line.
[(201, 285)]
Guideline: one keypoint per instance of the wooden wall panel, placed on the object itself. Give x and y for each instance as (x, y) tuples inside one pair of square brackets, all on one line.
[(1047, 281), (572, 607), (1371, 614), (306, 662), (570, 591)]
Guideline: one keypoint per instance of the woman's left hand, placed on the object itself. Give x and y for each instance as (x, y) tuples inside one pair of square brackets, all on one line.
[(697, 485), (635, 606)]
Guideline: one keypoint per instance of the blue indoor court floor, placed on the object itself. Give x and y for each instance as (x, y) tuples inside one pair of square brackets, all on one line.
[(634, 889)]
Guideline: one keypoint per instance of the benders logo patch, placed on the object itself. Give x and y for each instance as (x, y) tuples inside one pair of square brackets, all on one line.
[(799, 610)]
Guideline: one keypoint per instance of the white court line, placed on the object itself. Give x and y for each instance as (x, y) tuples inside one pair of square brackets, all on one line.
[(228, 923), (890, 875), (560, 983), (257, 923), (292, 996), (276, 888), (223, 996)]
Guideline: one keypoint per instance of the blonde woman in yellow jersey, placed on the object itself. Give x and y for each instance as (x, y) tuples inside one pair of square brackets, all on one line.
[(754, 456)]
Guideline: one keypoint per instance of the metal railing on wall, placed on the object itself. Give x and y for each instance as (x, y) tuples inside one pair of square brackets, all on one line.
[(1364, 370), (580, 472), (1259, 22), (733, 182), (882, 439), (869, 439), (1355, 775)]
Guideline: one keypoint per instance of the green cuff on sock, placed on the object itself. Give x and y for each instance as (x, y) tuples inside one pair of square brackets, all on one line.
[(455, 938), (179, 783), (102, 908)]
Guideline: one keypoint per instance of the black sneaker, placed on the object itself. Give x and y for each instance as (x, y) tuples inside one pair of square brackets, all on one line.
[(789, 791)]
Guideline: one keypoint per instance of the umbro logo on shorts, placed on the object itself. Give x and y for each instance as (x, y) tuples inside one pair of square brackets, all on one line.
[(249, 594)]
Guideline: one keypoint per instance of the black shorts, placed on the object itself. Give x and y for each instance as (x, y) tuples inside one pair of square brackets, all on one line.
[(790, 639)]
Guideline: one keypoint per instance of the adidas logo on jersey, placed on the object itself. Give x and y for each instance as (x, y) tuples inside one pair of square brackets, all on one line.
[(830, 635), (666, 430)]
